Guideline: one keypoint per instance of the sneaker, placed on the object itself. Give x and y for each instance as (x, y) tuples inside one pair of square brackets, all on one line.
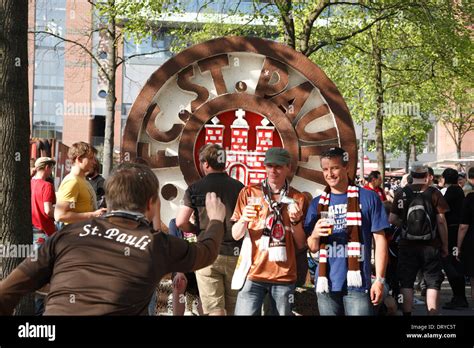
[(456, 303)]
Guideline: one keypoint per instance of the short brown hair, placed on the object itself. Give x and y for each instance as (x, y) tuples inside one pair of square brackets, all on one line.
[(336, 152), (130, 187), (79, 150), (214, 155)]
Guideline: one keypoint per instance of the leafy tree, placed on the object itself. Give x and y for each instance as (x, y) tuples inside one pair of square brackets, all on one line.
[(406, 134), (397, 62), (113, 21), (456, 111)]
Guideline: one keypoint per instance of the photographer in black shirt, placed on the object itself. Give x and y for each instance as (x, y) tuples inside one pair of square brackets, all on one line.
[(214, 281)]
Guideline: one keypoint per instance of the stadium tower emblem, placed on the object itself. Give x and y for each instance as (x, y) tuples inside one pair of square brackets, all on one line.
[(247, 94)]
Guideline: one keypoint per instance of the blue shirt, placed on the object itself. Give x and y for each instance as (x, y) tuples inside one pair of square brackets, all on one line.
[(374, 219)]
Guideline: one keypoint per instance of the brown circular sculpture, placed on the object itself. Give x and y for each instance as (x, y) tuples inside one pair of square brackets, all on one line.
[(189, 92)]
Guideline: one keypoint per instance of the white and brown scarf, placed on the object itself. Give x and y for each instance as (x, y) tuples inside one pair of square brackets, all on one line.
[(354, 223)]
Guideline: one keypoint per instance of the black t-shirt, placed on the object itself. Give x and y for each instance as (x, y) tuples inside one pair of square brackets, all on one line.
[(439, 204), (467, 216), (454, 197), (227, 189)]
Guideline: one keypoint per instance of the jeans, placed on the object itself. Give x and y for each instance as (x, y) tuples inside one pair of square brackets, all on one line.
[(345, 303), (252, 295), (152, 304), (39, 238)]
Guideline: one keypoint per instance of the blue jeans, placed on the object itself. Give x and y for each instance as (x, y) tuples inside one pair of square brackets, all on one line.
[(152, 304), (345, 303), (252, 295)]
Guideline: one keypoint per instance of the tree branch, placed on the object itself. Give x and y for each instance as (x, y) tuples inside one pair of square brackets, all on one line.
[(396, 69), (122, 60), (309, 22), (288, 22), (346, 37), (359, 48), (431, 76), (451, 134), (84, 48)]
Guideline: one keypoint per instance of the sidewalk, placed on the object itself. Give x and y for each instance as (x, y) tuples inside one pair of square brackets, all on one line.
[(306, 302), (420, 309)]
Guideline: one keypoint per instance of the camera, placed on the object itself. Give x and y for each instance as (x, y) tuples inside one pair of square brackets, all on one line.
[(198, 201)]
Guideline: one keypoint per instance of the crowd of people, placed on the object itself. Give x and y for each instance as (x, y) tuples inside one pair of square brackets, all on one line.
[(242, 250)]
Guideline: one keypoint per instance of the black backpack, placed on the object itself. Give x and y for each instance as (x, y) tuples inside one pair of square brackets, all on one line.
[(419, 217)]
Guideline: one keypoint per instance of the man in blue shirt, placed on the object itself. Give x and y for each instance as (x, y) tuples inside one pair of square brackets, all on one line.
[(343, 278)]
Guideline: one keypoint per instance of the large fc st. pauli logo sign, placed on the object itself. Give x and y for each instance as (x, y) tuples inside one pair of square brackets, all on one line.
[(246, 94)]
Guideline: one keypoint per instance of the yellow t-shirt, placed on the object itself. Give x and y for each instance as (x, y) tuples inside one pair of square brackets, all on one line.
[(77, 191)]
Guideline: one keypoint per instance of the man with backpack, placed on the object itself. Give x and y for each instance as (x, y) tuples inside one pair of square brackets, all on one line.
[(419, 209)]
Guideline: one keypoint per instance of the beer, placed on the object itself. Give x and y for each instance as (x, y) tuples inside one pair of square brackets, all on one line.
[(328, 218), (256, 203), (330, 224)]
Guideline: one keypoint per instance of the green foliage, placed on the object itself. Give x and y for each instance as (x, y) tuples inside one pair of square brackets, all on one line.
[(425, 49)]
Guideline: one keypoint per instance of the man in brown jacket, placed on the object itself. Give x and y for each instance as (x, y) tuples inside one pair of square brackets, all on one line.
[(111, 264)]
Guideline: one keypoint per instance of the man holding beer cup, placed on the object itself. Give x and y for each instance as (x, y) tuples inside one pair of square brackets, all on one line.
[(341, 223), (269, 216)]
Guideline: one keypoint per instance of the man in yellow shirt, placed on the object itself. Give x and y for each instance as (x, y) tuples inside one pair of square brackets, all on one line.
[(76, 200)]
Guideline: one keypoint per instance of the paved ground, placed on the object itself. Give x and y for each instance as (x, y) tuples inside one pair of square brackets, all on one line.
[(306, 303), (420, 309)]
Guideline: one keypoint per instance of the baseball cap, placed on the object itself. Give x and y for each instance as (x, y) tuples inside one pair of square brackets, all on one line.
[(43, 161), (278, 156), (418, 170)]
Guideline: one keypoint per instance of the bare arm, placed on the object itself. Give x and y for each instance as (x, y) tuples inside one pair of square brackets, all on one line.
[(182, 220), (313, 243), (394, 219), (461, 234), (299, 236), (319, 230), (295, 212), (48, 209), (64, 213), (238, 229), (241, 226), (443, 233), (381, 259), (381, 253)]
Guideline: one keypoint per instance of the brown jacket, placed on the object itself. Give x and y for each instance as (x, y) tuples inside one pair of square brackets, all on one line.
[(106, 266)]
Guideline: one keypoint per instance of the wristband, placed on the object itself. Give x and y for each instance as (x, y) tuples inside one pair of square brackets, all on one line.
[(381, 280)]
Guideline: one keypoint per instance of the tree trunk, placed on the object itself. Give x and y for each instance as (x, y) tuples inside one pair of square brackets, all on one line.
[(458, 145), (413, 151), (407, 158), (111, 98), (15, 215), (377, 53), (286, 13)]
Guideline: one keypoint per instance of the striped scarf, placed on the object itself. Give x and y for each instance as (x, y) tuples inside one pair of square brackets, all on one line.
[(354, 223)]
